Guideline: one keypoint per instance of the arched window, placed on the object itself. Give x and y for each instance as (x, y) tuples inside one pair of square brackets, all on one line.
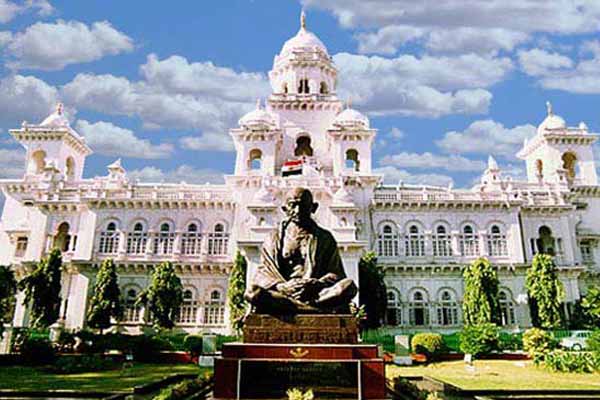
[(418, 309), (497, 244), (352, 161), (303, 86), (218, 241), (70, 168), (539, 168), (569, 160), (387, 244), (284, 88), (323, 89), (21, 246), (447, 311), (189, 309), (546, 243), (62, 240), (137, 240), (132, 312), (255, 159), (303, 147), (442, 242), (469, 242), (414, 242), (191, 241), (163, 242), (507, 308), (214, 309), (109, 239), (38, 161), (393, 314)]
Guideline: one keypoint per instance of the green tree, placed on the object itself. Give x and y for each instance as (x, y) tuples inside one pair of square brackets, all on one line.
[(545, 292), (8, 288), (237, 287), (164, 296), (480, 302), (42, 290), (106, 300), (372, 294), (591, 305)]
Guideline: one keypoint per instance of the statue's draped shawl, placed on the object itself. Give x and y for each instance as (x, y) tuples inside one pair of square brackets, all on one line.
[(323, 258)]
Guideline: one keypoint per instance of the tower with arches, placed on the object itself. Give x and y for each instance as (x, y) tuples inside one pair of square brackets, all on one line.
[(560, 154)]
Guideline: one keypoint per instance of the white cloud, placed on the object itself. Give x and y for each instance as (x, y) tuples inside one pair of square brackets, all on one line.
[(176, 75), (52, 46), (111, 140), (12, 163), (580, 77), (183, 173), (175, 94), (429, 161), (426, 86), (25, 98), (538, 62), (454, 25), (9, 9), (474, 40), (393, 175), (388, 39), (396, 133), (487, 137)]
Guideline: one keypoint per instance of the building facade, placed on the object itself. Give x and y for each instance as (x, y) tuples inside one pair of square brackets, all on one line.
[(304, 136)]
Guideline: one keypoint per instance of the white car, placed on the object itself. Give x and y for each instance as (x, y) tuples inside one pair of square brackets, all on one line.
[(577, 340)]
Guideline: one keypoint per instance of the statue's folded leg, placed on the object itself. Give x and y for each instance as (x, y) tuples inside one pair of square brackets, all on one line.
[(338, 295), (268, 301)]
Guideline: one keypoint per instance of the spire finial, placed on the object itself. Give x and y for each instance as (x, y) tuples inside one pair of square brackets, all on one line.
[(59, 108), (303, 20), (549, 108)]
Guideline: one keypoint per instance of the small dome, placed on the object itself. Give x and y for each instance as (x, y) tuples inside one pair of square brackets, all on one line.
[(304, 40), (552, 121), (56, 119), (351, 117), (258, 116)]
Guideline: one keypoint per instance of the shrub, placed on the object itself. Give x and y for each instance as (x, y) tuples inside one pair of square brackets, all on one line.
[(430, 344), (193, 344), (593, 341), (80, 364), (379, 337), (184, 389), (569, 361), (36, 351), (537, 342), (409, 389), (511, 341), (479, 339)]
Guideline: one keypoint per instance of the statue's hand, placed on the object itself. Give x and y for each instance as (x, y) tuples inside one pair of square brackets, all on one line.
[(329, 278), (309, 289), (290, 287)]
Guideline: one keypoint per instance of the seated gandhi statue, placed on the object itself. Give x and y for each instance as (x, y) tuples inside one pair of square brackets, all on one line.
[(301, 271)]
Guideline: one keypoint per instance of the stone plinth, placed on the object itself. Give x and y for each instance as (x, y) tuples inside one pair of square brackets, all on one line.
[(267, 371), (306, 329)]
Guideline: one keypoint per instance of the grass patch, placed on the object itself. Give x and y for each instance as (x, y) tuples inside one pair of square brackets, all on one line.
[(498, 374), (31, 378)]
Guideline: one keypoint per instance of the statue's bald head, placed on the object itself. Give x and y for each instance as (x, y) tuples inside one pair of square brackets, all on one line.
[(300, 205)]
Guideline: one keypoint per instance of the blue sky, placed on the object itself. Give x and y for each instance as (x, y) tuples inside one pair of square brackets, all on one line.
[(160, 83)]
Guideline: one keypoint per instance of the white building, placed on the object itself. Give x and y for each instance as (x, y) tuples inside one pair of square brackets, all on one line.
[(424, 235)]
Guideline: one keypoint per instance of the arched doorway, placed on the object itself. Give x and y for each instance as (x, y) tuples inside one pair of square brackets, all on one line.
[(569, 160), (62, 239), (303, 147)]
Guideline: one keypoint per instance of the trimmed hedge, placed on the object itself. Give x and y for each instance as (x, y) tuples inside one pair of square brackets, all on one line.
[(430, 344), (593, 341), (184, 389), (193, 344)]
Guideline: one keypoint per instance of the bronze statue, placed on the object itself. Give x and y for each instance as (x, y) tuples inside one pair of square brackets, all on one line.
[(301, 271)]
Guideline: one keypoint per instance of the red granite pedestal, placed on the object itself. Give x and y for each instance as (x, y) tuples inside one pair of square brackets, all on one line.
[(268, 370)]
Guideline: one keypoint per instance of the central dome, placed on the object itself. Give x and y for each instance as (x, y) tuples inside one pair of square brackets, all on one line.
[(552, 121), (304, 40)]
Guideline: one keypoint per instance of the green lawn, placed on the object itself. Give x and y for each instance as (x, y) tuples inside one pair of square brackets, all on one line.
[(498, 374), (29, 378)]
